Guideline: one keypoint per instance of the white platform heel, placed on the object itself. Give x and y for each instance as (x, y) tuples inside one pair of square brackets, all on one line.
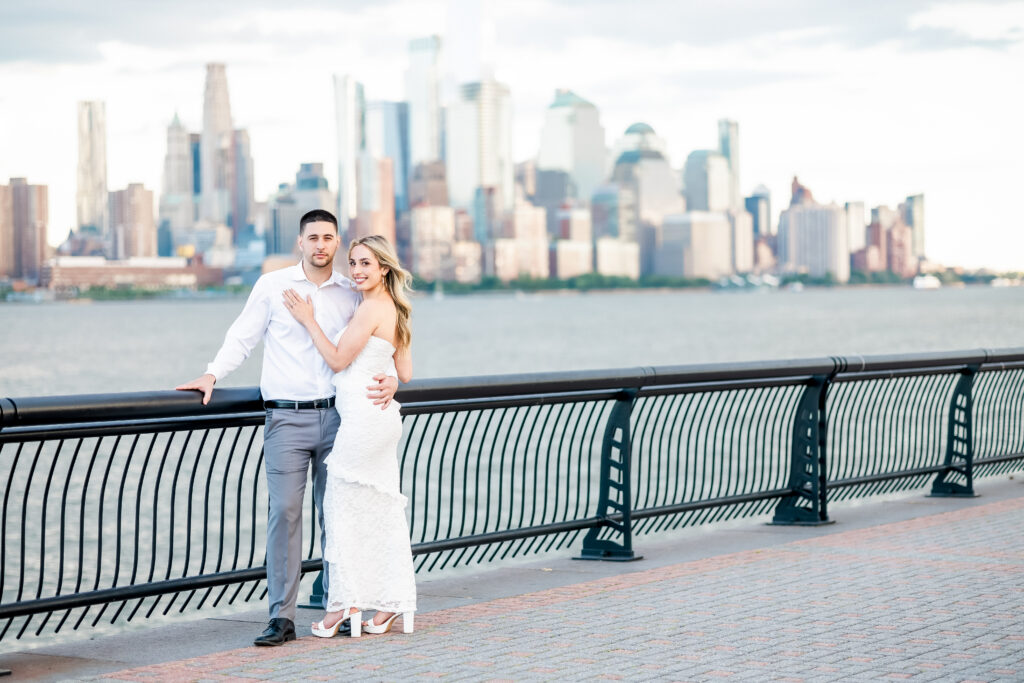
[(407, 623), (355, 619)]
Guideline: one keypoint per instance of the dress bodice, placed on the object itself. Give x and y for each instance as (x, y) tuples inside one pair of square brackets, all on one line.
[(374, 359)]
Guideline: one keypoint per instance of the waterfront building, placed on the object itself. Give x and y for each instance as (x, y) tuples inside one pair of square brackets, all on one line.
[(350, 112), (857, 226), (429, 184), (695, 244), (899, 250), (423, 93), (76, 273), (729, 148), (7, 253), (570, 258), (29, 220), (913, 216), (572, 140), (376, 214), (242, 196), (91, 196), (286, 207), (133, 230), (432, 235), (741, 225), (525, 252), (759, 205), (706, 177), (574, 224), (813, 240), (216, 156), (478, 141), (387, 136), (617, 257), (177, 208), (467, 258)]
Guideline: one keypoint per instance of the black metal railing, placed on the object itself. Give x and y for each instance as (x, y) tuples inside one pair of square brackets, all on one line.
[(118, 507)]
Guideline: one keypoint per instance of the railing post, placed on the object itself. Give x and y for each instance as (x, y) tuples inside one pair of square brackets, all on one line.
[(807, 505), (615, 487), (959, 441)]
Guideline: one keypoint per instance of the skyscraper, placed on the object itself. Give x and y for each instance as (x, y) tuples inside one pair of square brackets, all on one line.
[(813, 240), (91, 197), (387, 136), (708, 181), (572, 140), (242, 192), (913, 215), (729, 147), (856, 225), (376, 215), (6, 233), (29, 218), (479, 143), (216, 148), (350, 116), (423, 93), (176, 196), (131, 220), (759, 205)]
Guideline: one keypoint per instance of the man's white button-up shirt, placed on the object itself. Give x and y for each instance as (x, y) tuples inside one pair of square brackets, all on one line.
[(293, 370)]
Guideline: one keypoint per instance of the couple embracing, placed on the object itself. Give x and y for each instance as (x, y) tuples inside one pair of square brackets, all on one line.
[(334, 352)]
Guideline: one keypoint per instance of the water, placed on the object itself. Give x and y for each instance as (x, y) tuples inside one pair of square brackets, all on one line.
[(74, 348)]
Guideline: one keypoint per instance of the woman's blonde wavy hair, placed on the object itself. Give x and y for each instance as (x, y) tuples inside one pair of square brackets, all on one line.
[(397, 280)]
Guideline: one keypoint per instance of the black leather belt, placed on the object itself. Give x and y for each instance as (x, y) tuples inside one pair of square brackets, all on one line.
[(300, 405)]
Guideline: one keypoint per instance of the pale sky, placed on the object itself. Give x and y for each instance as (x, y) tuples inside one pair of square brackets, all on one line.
[(865, 101)]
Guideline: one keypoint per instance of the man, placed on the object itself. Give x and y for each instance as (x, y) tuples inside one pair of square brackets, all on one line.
[(299, 397)]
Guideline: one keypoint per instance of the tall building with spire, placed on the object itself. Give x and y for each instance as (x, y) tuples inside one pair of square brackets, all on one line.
[(572, 140), (216, 156), (729, 147), (423, 93), (350, 119), (176, 198), (91, 197)]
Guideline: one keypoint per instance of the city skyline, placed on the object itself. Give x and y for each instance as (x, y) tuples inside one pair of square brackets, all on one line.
[(918, 100)]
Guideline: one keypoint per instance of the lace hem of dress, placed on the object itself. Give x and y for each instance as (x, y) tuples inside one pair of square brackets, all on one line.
[(380, 606), (349, 478)]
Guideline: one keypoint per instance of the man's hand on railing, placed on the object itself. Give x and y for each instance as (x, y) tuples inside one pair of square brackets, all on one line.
[(204, 384)]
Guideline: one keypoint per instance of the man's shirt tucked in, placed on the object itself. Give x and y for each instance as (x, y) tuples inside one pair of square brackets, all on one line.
[(293, 369)]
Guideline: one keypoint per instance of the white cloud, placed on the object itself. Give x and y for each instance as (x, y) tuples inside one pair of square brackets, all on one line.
[(975, 20)]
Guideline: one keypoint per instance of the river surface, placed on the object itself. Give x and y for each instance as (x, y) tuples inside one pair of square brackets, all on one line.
[(102, 347)]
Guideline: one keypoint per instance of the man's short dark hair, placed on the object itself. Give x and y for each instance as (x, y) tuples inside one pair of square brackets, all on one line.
[(317, 216)]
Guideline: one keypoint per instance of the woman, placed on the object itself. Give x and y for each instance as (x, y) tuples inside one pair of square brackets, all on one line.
[(367, 537)]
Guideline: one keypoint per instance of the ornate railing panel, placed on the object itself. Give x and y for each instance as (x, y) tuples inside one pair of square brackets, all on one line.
[(127, 506)]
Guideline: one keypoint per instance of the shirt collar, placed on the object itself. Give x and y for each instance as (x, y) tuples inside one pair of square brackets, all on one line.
[(297, 273)]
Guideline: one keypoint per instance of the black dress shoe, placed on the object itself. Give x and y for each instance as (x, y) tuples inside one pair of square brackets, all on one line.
[(279, 631)]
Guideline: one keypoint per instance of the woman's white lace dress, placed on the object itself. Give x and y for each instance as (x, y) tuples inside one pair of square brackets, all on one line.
[(367, 545)]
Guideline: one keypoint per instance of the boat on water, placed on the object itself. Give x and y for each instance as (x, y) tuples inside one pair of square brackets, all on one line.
[(927, 282)]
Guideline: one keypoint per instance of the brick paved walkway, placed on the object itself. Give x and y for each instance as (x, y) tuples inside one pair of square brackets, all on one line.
[(937, 598)]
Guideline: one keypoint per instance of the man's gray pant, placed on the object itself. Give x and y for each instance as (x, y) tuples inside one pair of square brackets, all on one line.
[(292, 441)]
